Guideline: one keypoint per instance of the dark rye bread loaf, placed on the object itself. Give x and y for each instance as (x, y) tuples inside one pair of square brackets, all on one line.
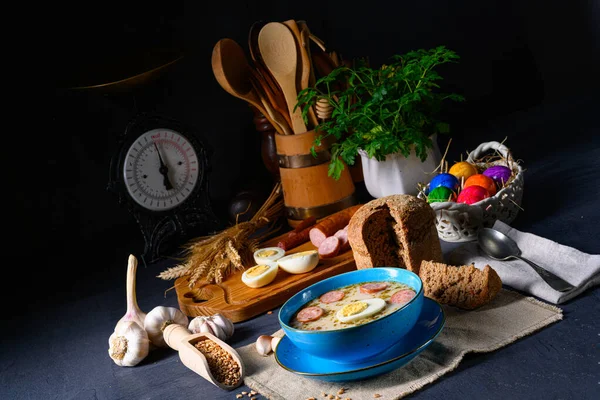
[(394, 231), (462, 286)]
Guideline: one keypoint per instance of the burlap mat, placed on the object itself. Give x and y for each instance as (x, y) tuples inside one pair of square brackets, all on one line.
[(507, 318)]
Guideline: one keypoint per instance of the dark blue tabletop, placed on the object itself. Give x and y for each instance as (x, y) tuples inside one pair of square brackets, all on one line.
[(59, 350)]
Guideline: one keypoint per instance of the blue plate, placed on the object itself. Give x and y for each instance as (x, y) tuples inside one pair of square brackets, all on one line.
[(428, 326)]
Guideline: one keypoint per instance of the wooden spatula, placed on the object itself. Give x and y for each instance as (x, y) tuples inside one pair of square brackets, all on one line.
[(304, 66)]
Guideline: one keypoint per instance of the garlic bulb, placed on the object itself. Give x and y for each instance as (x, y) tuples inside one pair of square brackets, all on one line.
[(129, 344), (158, 319), (217, 324), (133, 312)]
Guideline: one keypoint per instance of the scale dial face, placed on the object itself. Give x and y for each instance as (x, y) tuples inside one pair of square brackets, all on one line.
[(160, 169)]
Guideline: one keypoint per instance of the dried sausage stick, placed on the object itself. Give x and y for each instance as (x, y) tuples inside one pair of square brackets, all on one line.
[(306, 222), (294, 239), (331, 224)]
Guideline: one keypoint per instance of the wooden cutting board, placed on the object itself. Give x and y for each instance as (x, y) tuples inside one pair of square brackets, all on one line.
[(238, 302)]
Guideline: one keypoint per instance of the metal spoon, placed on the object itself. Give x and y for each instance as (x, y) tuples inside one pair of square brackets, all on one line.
[(500, 247)]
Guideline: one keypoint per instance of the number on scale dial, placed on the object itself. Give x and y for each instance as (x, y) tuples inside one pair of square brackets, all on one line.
[(161, 169)]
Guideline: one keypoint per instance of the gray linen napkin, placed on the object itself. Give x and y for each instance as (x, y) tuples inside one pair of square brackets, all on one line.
[(507, 318), (579, 269)]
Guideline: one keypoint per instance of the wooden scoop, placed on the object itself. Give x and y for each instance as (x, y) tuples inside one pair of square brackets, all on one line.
[(231, 69), (277, 46), (180, 339)]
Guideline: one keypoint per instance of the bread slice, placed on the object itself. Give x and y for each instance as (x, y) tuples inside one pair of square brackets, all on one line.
[(462, 286), (394, 231)]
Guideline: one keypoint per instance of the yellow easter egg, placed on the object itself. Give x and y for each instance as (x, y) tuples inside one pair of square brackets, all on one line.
[(463, 169)]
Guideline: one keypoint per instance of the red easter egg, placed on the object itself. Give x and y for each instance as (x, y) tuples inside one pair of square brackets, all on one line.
[(472, 194), (482, 180)]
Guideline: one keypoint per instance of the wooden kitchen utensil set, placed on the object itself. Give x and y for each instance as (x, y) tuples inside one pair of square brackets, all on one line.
[(281, 64)]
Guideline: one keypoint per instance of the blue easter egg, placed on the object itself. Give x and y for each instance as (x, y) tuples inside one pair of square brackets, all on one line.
[(445, 180)]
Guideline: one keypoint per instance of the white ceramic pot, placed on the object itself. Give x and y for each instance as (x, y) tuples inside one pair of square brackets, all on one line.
[(398, 174)]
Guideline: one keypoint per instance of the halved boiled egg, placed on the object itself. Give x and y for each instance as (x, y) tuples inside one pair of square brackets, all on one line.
[(299, 263), (268, 254), (260, 275), (360, 309)]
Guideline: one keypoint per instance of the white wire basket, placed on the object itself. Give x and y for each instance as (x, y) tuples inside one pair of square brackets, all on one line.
[(458, 222)]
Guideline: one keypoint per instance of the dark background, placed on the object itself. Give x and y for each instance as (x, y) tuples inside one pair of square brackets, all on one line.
[(515, 56)]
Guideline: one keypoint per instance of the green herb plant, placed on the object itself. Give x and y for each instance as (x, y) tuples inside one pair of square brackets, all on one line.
[(382, 110)]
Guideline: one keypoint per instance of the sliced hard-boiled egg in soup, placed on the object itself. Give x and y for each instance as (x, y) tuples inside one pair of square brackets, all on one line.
[(299, 263), (268, 255), (360, 309), (260, 275)]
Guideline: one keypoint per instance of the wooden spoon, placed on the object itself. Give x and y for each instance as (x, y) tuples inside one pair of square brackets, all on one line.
[(305, 42), (179, 338), (271, 87), (278, 48), (271, 111), (231, 69), (304, 66)]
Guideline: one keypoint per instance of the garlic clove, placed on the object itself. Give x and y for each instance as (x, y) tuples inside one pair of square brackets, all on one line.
[(214, 328), (224, 323), (196, 324), (274, 342), (263, 345), (217, 325), (158, 319), (128, 344)]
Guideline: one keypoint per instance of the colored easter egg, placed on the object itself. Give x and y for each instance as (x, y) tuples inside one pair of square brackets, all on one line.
[(481, 180), (441, 194), (472, 194), (499, 173), (462, 169), (446, 180)]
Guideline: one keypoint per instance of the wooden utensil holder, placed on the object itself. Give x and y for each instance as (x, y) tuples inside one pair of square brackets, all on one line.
[(307, 189)]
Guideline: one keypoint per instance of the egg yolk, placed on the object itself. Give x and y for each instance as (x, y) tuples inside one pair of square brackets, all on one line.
[(257, 270), (353, 308), (266, 253)]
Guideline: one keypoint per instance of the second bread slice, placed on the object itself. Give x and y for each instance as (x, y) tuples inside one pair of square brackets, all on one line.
[(462, 286)]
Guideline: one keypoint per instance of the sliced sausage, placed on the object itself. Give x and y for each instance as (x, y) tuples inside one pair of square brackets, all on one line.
[(331, 224), (330, 247), (342, 234), (374, 287), (332, 297), (402, 296), (310, 314)]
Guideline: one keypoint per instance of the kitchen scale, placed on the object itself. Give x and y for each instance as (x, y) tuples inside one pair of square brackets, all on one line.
[(160, 173)]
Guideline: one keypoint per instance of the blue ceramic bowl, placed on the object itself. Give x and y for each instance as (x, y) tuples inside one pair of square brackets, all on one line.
[(356, 343)]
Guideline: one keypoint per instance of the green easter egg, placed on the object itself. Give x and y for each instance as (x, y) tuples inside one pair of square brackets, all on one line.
[(441, 194)]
